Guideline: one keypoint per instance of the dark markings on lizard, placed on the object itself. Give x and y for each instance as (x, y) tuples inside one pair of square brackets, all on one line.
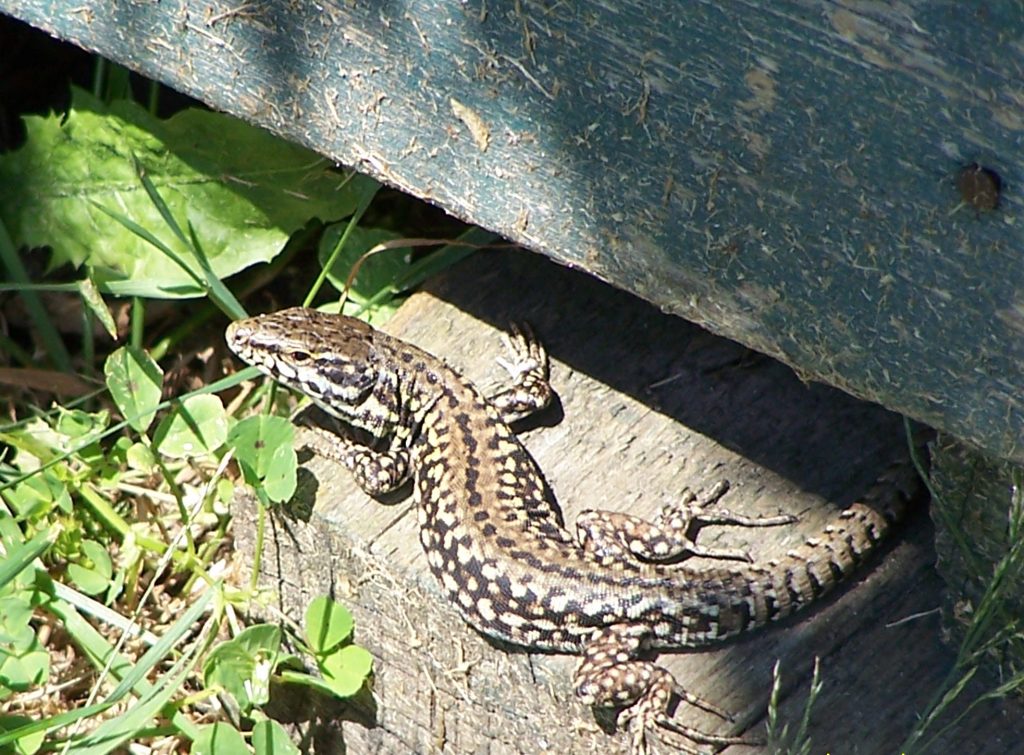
[(496, 543)]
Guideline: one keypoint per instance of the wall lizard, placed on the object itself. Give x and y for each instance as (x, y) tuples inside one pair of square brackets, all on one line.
[(495, 541)]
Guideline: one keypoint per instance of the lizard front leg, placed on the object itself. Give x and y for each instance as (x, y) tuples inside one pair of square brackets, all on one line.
[(376, 471), (527, 364)]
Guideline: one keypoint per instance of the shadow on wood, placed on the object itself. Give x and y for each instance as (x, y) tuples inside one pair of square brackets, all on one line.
[(651, 405)]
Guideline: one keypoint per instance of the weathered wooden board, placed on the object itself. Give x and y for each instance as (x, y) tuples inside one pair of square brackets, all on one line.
[(781, 172), (649, 405)]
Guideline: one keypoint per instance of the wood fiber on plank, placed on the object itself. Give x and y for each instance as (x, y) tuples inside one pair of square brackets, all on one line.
[(649, 404), (787, 174)]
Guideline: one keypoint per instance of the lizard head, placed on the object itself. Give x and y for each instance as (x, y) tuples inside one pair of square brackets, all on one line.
[(326, 357)]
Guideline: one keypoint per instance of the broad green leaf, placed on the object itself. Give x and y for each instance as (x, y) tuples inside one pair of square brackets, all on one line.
[(74, 429), (376, 277), (19, 638), (35, 496), (140, 457), (89, 581), (197, 426), (25, 745), (270, 738), (219, 739), (305, 680), (34, 438), (225, 492), (98, 555), (15, 614), (93, 576), (10, 535), (346, 669), (24, 663), (328, 624), (135, 382), (77, 424), (264, 448), (25, 669), (259, 639), (243, 665), (243, 190)]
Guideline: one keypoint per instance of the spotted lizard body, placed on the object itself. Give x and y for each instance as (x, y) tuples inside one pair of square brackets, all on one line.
[(496, 542)]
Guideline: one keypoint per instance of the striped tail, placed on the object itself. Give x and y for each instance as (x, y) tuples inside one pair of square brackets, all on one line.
[(771, 591)]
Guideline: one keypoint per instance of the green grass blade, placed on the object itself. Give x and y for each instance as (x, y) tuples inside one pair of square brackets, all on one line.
[(131, 676), (51, 339), (91, 607), (249, 373), (54, 723), (114, 732), (448, 255), (21, 556), (221, 295), (148, 237), (357, 215), (208, 281), (158, 202), (179, 629)]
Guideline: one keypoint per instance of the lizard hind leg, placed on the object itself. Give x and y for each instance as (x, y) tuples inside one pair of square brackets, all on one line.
[(671, 535), (611, 674)]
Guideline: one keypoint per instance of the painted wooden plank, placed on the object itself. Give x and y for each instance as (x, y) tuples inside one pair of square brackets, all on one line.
[(784, 173)]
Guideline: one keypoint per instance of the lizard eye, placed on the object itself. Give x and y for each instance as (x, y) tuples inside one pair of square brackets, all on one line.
[(300, 356)]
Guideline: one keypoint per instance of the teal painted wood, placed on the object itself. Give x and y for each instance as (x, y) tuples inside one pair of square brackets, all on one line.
[(781, 172)]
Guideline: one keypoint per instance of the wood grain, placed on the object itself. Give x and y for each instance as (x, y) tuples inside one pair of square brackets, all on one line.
[(649, 405), (784, 173)]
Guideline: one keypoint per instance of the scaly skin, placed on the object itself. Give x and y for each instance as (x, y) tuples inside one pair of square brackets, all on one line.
[(496, 543)]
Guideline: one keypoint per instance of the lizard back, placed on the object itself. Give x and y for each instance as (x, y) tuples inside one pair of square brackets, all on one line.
[(493, 537)]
